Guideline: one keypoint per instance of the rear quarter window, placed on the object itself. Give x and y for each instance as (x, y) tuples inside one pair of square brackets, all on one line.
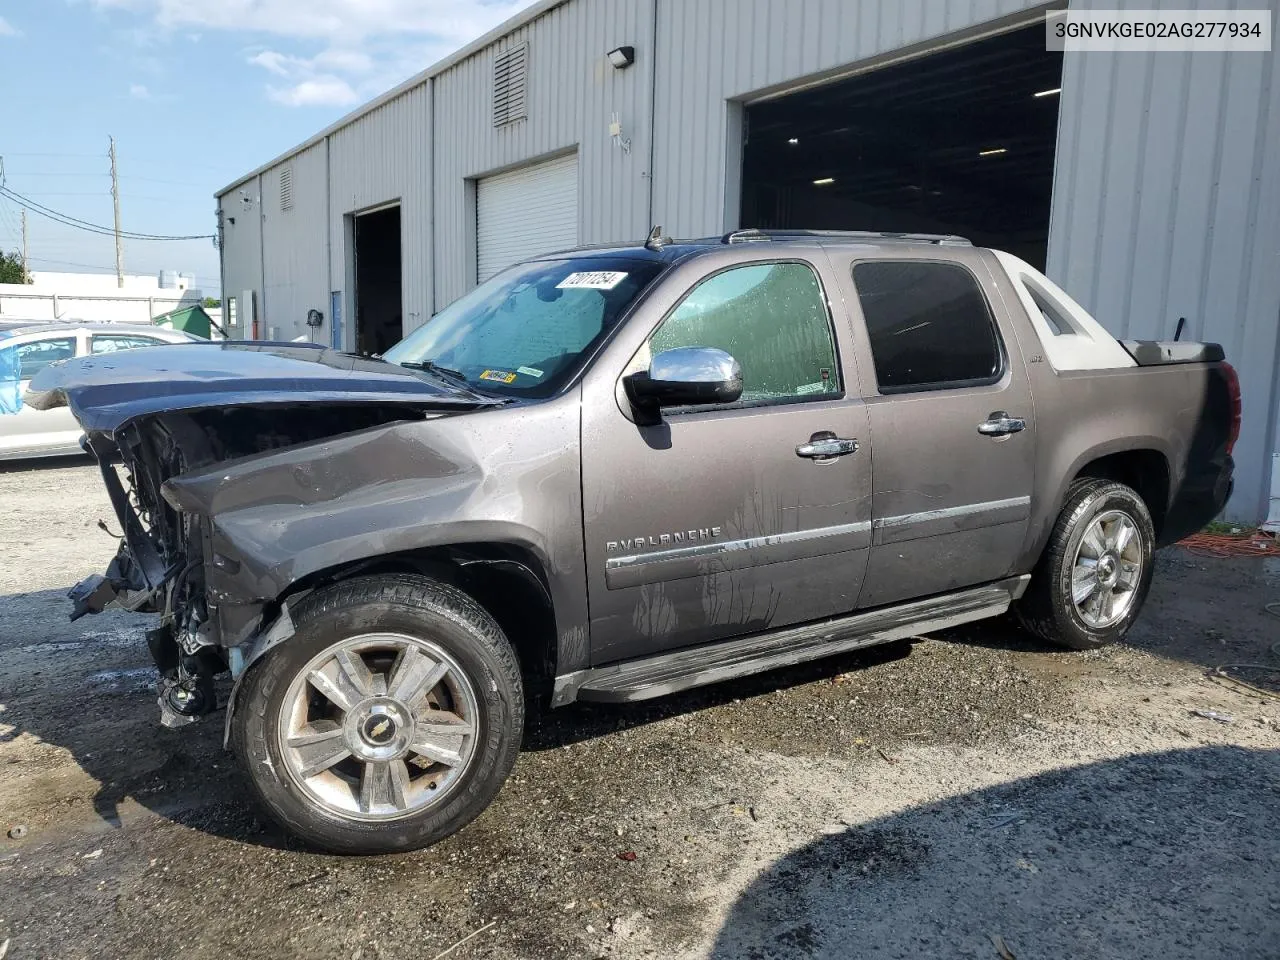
[(929, 325)]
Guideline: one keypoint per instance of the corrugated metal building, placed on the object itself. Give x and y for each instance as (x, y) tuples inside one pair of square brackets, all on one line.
[(1149, 184)]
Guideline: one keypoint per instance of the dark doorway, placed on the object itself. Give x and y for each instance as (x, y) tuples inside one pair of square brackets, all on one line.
[(961, 141), (379, 303)]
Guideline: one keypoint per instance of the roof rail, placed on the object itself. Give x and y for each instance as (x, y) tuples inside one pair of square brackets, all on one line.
[(754, 235)]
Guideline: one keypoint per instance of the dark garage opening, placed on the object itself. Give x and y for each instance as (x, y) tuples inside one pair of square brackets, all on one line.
[(379, 303), (952, 142)]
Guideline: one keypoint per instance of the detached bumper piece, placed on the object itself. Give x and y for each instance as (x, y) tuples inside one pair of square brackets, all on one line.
[(93, 595)]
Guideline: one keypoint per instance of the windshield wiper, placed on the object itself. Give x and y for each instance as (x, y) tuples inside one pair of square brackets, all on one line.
[(432, 367)]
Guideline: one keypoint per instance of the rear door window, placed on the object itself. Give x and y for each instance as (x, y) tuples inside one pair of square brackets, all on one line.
[(929, 325), (112, 343)]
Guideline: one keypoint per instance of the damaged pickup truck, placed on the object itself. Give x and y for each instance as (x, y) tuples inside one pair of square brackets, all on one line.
[(612, 474)]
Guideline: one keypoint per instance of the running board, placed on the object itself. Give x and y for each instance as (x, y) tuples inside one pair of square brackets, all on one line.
[(710, 663)]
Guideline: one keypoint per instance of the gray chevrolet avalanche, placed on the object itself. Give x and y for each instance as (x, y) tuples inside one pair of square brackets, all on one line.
[(610, 474)]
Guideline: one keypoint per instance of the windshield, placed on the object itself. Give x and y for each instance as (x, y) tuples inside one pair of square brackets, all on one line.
[(524, 332)]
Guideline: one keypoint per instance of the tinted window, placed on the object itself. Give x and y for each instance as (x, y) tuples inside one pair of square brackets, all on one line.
[(771, 318), (929, 324), (525, 331), (35, 356), (114, 342)]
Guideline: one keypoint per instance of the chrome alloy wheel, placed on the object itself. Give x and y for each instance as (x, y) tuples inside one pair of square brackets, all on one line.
[(1107, 569), (379, 727)]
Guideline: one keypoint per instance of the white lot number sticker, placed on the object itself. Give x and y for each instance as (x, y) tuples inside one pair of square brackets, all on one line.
[(598, 280)]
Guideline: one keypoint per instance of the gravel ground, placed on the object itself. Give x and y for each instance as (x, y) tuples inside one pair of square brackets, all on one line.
[(950, 797)]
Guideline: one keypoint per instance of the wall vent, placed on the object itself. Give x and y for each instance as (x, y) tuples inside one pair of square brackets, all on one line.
[(510, 73), (286, 187)]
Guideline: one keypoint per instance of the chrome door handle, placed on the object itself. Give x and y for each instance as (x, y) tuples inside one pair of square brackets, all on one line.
[(1000, 424), (826, 447)]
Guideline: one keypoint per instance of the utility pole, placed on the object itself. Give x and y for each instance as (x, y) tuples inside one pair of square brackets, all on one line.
[(26, 277), (115, 197)]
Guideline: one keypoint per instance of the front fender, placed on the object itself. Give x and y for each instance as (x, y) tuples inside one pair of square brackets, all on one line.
[(494, 477)]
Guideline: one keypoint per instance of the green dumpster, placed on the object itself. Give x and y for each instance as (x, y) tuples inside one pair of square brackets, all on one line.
[(193, 320)]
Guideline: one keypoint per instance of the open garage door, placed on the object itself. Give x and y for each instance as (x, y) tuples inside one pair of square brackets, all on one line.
[(960, 141), (526, 212), (379, 280)]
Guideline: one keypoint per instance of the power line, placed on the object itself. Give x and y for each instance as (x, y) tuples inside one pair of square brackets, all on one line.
[(69, 221), (92, 156), (69, 263), (98, 156)]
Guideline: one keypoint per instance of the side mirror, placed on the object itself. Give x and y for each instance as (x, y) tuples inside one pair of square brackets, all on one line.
[(684, 377)]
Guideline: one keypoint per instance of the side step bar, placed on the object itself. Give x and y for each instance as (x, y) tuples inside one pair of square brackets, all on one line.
[(667, 673)]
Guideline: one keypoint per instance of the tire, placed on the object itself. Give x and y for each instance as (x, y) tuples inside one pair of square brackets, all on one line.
[(1049, 608), (425, 754)]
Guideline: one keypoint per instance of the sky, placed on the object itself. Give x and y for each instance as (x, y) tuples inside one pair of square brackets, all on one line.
[(196, 93)]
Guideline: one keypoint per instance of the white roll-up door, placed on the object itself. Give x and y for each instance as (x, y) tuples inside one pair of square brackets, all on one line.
[(526, 212)]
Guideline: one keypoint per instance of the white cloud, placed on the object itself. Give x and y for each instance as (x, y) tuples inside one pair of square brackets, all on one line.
[(456, 21), (7, 29), (319, 92), (139, 92), (274, 62), (335, 52)]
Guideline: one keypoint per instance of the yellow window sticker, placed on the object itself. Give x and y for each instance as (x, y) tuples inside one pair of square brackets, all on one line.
[(501, 376)]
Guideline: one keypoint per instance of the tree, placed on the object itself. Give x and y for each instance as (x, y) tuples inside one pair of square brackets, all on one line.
[(211, 303), (11, 269)]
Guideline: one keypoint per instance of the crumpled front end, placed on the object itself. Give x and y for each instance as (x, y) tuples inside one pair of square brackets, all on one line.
[(166, 564)]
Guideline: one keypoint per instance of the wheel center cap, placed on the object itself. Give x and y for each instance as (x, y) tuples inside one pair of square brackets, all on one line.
[(1108, 569), (379, 730)]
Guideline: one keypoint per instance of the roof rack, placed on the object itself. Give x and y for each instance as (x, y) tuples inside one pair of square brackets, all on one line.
[(754, 236)]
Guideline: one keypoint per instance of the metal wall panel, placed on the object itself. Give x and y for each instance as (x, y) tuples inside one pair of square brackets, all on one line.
[(1167, 204), (714, 52), (384, 157), (241, 249), (572, 94), (295, 263)]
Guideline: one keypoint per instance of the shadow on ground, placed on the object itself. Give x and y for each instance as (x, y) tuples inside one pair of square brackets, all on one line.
[(45, 463), (1168, 855), (1201, 611)]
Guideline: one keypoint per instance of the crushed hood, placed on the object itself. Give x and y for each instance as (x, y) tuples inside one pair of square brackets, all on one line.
[(105, 392)]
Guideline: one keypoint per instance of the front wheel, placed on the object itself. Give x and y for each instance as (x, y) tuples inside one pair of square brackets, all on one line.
[(1093, 578), (387, 722)]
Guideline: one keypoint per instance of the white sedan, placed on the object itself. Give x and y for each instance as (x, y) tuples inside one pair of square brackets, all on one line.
[(26, 350)]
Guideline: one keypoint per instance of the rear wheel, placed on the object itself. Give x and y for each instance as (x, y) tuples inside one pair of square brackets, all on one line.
[(1093, 578), (387, 722)]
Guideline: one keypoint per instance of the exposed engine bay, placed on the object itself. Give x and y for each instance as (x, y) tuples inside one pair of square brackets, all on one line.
[(160, 566)]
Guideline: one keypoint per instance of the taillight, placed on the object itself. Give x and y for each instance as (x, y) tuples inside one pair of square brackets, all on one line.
[(1233, 393)]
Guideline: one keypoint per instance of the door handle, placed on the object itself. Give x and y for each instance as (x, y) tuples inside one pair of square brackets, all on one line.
[(1000, 424), (825, 447)]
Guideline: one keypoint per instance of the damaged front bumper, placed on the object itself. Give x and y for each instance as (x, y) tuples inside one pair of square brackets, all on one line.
[(137, 573)]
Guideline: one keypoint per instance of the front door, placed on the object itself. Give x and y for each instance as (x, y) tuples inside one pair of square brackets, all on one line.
[(952, 421), (725, 521)]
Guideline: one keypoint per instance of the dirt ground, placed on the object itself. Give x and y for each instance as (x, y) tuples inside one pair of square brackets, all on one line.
[(955, 796)]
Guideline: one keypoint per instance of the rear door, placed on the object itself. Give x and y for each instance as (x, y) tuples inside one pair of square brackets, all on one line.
[(721, 521), (951, 418)]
